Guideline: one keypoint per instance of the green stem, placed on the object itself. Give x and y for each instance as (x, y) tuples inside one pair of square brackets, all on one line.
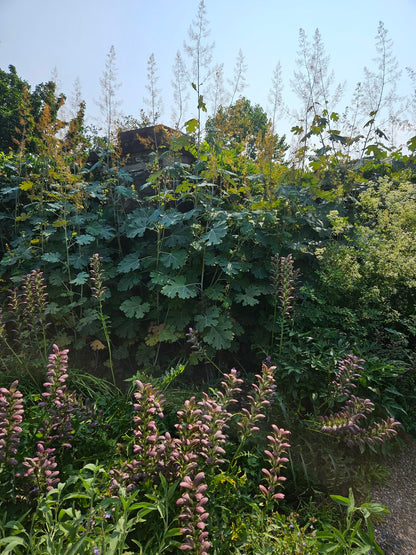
[(107, 338), (282, 324)]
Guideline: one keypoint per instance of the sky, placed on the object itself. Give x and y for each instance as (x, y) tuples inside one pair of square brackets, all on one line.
[(73, 37)]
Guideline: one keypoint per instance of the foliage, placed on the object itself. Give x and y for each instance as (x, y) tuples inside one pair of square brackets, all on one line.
[(236, 257), (157, 491), (352, 538)]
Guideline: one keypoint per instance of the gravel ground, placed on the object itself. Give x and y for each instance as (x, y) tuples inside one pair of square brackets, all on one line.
[(396, 533)]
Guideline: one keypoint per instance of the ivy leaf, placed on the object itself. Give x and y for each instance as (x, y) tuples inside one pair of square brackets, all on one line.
[(220, 336), (215, 235), (174, 259), (248, 298), (128, 263), (178, 288), (80, 279), (134, 307)]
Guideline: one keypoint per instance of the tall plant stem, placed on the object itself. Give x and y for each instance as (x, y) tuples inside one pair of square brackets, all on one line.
[(107, 338)]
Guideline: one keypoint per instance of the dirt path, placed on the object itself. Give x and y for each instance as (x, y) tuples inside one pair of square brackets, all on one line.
[(396, 534)]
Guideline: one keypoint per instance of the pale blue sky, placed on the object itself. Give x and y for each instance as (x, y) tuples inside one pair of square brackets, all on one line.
[(75, 35)]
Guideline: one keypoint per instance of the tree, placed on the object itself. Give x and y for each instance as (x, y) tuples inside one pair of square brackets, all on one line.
[(238, 82), (108, 103), (153, 100), (180, 95), (200, 54), (12, 93), (240, 126)]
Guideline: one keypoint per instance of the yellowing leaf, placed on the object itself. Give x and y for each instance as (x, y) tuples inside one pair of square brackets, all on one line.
[(60, 223), (26, 186), (96, 345)]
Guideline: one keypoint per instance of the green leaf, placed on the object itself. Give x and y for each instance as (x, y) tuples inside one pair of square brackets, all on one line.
[(248, 298), (128, 281), (100, 230), (341, 500), (90, 315), (220, 336), (158, 278), (174, 259), (134, 307), (215, 292), (11, 542), (128, 263), (209, 319), (178, 288), (84, 239), (411, 144), (80, 279), (51, 257), (230, 268), (215, 235), (136, 224)]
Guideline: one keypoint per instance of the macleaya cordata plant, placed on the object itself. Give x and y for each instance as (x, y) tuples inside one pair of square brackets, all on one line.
[(284, 277), (98, 290), (349, 423)]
